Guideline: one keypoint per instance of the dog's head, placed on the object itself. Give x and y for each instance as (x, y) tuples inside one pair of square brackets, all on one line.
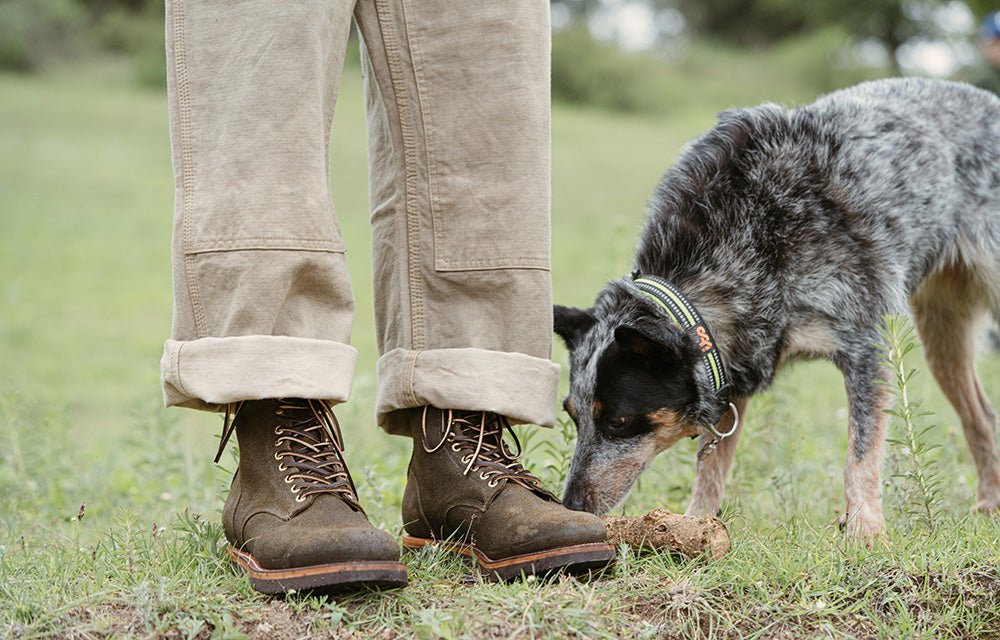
[(636, 388)]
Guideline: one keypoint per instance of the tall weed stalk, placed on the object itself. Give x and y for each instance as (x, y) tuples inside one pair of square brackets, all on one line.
[(922, 498)]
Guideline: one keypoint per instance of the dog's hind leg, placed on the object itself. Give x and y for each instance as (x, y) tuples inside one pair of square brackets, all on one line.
[(866, 426), (712, 469), (947, 308)]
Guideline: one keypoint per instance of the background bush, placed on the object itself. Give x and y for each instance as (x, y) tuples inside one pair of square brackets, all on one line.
[(599, 74), (33, 30)]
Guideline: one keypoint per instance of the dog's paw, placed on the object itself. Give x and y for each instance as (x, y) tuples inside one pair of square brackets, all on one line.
[(989, 506), (864, 525)]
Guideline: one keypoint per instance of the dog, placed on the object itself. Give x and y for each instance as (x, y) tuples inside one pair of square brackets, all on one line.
[(788, 234)]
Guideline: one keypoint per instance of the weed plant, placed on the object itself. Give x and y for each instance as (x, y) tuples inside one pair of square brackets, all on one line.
[(922, 501)]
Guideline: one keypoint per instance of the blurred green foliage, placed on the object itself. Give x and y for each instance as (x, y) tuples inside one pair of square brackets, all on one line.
[(764, 22), (138, 35), (798, 68), (35, 32), (31, 30), (809, 41)]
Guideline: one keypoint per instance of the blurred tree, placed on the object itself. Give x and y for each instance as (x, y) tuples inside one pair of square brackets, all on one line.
[(980, 8), (764, 22), (891, 22), (746, 22), (578, 8), (100, 8), (33, 30)]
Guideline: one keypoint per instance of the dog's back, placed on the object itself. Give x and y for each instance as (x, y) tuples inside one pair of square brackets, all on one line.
[(837, 209), (925, 155)]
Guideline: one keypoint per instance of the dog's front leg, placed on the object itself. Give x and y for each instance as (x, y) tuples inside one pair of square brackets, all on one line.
[(867, 401), (712, 469)]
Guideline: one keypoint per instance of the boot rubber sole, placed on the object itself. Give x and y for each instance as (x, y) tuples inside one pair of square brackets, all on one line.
[(322, 578), (577, 558)]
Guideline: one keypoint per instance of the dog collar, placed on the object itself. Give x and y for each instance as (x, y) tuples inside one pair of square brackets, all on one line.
[(684, 314)]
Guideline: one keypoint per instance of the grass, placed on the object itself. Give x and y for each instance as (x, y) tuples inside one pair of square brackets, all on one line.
[(109, 504)]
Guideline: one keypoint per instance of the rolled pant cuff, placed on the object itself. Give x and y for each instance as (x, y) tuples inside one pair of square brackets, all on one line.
[(520, 387), (209, 372)]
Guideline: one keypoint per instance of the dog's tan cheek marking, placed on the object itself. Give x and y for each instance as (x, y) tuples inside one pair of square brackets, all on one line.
[(669, 428)]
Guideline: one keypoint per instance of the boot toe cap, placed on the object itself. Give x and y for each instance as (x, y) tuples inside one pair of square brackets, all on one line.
[(518, 524), (317, 536)]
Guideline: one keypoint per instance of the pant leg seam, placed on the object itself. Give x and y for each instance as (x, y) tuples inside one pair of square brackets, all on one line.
[(422, 87), (186, 160), (413, 250)]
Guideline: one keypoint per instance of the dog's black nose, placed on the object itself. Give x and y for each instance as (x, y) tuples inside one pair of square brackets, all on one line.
[(574, 502)]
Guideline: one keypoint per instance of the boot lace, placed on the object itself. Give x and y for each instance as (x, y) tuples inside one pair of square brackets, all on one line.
[(309, 448), (479, 436)]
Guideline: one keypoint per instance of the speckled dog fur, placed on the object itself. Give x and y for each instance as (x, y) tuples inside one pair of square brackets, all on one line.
[(794, 232)]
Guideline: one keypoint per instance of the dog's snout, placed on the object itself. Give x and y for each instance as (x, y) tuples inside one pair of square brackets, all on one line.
[(575, 503), (574, 497)]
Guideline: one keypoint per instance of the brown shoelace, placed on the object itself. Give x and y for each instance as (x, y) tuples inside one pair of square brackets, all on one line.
[(479, 435), (309, 448)]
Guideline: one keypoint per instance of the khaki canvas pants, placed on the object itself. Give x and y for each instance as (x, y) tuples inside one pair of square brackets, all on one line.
[(458, 125)]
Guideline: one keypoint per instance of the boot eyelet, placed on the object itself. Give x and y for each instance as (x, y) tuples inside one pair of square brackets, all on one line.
[(455, 448), (288, 480), (278, 456), (493, 483), (295, 490), (282, 467), (300, 498), (483, 476)]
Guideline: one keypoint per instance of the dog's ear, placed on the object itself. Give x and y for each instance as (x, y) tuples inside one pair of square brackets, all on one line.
[(571, 324), (655, 346)]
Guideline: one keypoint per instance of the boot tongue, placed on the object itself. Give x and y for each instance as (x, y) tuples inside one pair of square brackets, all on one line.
[(479, 435)]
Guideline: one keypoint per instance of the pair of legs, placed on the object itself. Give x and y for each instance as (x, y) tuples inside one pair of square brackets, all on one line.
[(457, 97), (947, 309)]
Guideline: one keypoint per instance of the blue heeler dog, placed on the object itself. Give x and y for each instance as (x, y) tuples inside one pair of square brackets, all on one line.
[(785, 234)]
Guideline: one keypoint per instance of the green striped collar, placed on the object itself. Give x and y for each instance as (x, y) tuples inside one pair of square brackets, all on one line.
[(680, 310)]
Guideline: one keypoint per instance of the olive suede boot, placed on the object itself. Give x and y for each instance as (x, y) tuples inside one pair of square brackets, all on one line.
[(466, 492), (292, 517)]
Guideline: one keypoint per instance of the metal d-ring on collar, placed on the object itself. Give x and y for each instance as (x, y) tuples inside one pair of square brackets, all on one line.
[(736, 424)]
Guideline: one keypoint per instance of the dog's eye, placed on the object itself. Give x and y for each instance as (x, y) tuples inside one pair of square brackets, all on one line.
[(625, 427)]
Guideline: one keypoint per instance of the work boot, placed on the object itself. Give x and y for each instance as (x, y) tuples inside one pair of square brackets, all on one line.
[(467, 493), (292, 517)]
